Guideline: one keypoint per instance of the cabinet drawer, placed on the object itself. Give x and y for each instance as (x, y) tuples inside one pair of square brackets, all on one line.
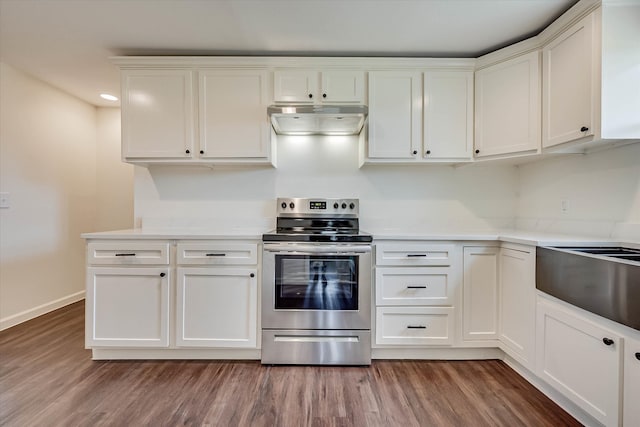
[(128, 253), (217, 253), (414, 325), (414, 254), (413, 286)]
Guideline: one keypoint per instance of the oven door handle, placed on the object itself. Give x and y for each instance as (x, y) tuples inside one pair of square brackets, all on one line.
[(320, 249)]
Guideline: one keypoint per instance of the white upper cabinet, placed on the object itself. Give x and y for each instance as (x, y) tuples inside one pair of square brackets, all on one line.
[(157, 114), (508, 107), (448, 115), (232, 113), (568, 86), (395, 115), (590, 79), (315, 87)]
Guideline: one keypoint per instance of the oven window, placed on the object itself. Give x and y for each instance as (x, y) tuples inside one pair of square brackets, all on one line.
[(316, 282)]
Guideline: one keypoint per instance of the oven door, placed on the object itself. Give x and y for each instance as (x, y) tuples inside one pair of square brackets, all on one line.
[(320, 286)]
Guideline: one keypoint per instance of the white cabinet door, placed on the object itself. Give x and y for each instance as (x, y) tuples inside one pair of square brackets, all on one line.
[(568, 103), (507, 112), (295, 86), (395, 115), (342, 86), (518, 304), (233, 114), (157, 114), (127, 307), (480, 293), (217, 307), (580, 359), (631, 405), (448, 114)]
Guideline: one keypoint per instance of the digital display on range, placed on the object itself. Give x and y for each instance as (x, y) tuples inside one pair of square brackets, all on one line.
[(317, 205)]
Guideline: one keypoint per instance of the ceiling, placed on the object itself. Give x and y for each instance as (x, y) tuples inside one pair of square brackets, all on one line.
[(67, 43)]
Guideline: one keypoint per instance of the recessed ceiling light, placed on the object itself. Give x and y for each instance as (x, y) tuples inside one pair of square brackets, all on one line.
[(108, 97)]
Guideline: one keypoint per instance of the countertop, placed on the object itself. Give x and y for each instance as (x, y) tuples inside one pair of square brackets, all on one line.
[(524, 237)]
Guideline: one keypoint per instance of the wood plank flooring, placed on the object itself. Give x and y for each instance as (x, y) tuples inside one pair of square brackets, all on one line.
[(47, 378)]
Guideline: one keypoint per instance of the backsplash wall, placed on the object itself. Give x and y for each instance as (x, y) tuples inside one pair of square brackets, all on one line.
[(601, 193), (427, 198)]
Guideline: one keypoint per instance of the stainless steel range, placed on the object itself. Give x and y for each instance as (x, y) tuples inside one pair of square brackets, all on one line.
[(316, 285)]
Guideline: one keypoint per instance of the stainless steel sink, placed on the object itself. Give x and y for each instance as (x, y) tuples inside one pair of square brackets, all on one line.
[(602, 280)]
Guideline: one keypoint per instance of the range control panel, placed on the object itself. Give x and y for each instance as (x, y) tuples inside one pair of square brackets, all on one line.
[(317, 207)]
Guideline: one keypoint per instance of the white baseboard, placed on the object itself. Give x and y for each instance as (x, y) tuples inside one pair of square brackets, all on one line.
[(175, 353), (32, 313)]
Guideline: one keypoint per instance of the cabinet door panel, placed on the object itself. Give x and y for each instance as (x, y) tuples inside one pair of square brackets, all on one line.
[(342, 86), (395, 115), (568, 103), (572, 357), (216, 307), (448, 114), (631, 408), (518, 304), (127, 307), (233, 118), (480, 293), (508, 107), (157, 114), (295, 86)]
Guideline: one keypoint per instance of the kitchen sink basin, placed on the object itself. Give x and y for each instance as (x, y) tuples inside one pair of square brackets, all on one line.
[(602, 280)]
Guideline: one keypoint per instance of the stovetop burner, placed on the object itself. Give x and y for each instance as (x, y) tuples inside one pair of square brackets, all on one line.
[(317, 220)]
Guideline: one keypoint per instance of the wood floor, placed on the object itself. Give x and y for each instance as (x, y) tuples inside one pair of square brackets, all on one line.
[(48, 379)]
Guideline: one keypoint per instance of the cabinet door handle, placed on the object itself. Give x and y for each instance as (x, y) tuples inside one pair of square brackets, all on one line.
[(162, 274), (607, 341), (414, 152), (187, 151), (216, 255), (584, 129), (310, 95), (428, 152), (477, 151), (324, 95), (416, 327), (132, 254), (201, 151), (416, 287), (638, 355), (416, 255), (252, 275)]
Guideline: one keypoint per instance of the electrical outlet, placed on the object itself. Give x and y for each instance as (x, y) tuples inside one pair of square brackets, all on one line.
[(564, 206), (5, 201)]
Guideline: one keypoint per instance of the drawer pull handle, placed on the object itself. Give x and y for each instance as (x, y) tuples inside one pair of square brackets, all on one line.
[(416, 287), (416, 255), (216, 254), (126, 254), (416, 327), (638, 355), (607, 341), (162, 274)]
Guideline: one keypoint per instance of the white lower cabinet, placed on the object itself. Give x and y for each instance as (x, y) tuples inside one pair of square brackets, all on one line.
[(127, 307), (581, 359), (216, 307), (631, 403), (416, 326), (518, 303), (480, 293)]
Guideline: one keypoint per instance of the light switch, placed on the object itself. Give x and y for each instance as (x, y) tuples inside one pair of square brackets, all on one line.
[(4, 200)]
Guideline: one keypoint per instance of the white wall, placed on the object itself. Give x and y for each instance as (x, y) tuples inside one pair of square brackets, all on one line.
[(114, 179), (602, 191), (429, 198), (47, 164)]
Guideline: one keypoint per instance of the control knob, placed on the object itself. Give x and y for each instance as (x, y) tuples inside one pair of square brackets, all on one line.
[(284, 205), (336, 205), (344, 205), (291, 205), (352, 205)]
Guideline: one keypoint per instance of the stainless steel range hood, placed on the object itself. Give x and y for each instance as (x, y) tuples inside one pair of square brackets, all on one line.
[(317, 119)]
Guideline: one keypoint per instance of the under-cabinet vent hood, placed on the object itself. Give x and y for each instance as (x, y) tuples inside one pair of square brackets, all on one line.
[(317, 119)]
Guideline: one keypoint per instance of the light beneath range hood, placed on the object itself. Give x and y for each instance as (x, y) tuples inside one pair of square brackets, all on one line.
[(317, 119)]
